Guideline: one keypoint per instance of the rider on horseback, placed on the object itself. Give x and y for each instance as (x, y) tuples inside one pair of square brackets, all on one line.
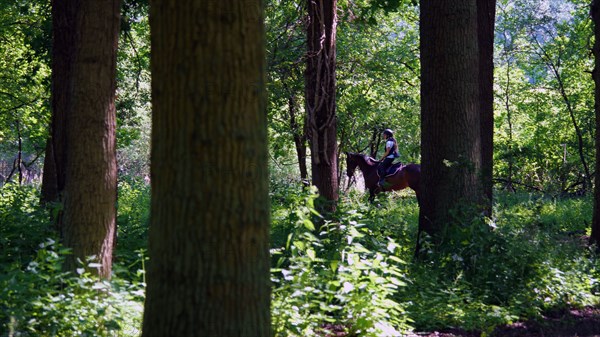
[(391, 153)]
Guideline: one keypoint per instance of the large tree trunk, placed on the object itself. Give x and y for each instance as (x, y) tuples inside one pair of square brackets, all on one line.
[(320, 98), (210, 266), (486, 14), (63, 57), (90, 192), (595, 12), (450, 129)]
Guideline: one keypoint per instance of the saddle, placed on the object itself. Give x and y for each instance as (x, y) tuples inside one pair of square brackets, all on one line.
[(393, 169)]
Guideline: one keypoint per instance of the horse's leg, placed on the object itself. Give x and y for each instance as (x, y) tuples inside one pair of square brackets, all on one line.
[(371, 196)]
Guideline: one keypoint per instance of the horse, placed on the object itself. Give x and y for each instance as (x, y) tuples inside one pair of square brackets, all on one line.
[(399, 176)]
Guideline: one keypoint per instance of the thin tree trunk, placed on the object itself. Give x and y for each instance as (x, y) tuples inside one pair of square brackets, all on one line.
[(298, 134), (209, 254), (19, 153), (375, 142), (580, 147), (561, 89), (12, 171), (89, 220), (509, 183)]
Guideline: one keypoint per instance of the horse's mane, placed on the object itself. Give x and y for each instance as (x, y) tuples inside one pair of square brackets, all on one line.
[(365, 157), (369, 158)]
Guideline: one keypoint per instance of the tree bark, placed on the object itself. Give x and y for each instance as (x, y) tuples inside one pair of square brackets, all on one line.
[(299, 135), (298, 130), (375, 142), (90, 191), (210, 266), (450, 128), (63, 57), (320, 98), (486, 15), (49, 190), (595, 13)]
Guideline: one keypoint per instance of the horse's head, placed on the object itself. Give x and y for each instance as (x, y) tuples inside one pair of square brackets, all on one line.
[(351, 163)]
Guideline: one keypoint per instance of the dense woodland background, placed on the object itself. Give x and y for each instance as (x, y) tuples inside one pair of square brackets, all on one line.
[(221, 105)]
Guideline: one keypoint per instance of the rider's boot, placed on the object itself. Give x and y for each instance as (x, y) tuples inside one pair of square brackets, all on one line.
[(381, 184)]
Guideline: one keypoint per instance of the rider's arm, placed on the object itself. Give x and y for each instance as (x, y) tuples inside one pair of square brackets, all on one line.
[(387, 153)]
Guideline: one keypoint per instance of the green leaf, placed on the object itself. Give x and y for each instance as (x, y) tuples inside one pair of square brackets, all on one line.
[(308, 224), (300, 245), (397, 259), (355, 233), (311, 253)]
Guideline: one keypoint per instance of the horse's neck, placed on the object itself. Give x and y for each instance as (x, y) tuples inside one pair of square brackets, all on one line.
[(367, 166)]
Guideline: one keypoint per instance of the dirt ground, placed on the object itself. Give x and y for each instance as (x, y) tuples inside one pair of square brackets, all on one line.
[(567, 323)]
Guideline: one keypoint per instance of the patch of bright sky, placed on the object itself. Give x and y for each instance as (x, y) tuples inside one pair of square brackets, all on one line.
[(559, 10)]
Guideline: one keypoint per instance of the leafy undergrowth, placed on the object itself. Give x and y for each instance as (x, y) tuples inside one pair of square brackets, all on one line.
[(491, 274), (37, 298), (526, 272)]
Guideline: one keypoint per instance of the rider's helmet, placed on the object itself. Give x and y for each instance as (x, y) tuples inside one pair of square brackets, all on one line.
[(388, 132)]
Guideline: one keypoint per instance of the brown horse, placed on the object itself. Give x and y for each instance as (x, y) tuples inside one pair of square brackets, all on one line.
[(400, 176)]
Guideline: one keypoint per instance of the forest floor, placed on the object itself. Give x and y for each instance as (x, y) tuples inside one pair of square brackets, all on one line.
[(567, 323)]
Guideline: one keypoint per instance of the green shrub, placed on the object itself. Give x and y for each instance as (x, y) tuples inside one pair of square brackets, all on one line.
[(331, 280), (133, 220), (23, 224), (492, 272), (37, 298), (42, 300)]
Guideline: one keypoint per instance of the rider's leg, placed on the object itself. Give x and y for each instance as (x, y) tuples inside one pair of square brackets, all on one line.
[(383, 167)]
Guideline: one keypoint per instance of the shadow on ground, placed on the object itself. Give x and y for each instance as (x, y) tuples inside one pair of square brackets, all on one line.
[(561, 323)]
